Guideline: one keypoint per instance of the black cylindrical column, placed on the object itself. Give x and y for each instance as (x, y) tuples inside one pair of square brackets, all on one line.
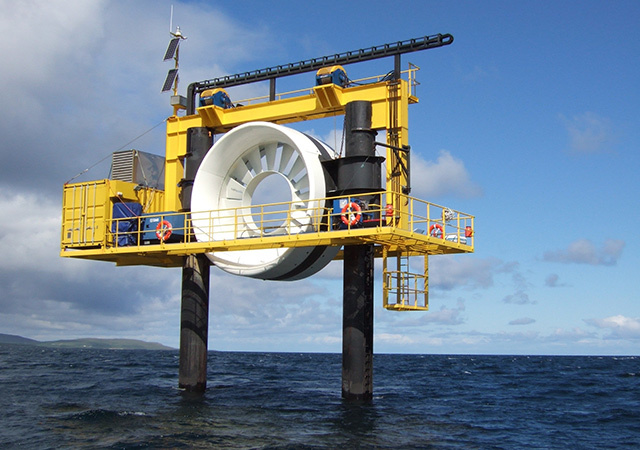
[(194, 323), (194, 315), (357, 318), (199, 141), (357, 323), (360, 169), (359, 138)]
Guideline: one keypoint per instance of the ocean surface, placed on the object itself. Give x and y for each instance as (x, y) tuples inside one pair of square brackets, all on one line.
[(82, 398)]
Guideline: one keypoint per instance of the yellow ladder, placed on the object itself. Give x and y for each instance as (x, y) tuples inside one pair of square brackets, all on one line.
[(403, 290)]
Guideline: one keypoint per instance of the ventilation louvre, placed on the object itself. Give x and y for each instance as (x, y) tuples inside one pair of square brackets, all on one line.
[(138, 167), (123, 165)]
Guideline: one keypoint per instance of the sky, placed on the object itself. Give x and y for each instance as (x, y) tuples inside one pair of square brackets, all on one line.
[(529, 121)]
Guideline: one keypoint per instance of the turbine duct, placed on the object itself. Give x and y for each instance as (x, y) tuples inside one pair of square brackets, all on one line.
[(230, 183)]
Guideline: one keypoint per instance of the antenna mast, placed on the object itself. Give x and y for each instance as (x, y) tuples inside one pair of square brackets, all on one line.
[(173, 52)]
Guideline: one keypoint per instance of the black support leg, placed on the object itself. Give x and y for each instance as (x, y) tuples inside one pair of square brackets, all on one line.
[(194, 324), (357, 323)]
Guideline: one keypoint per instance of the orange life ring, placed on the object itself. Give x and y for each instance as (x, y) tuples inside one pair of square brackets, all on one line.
[(436, 230), (163, 230), (389, 210), (348, 216)]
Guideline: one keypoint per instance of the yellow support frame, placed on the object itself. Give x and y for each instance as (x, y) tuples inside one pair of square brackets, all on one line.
[(323, 101), (406, 228)]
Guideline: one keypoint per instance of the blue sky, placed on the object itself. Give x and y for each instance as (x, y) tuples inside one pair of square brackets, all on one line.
[(529, 121)]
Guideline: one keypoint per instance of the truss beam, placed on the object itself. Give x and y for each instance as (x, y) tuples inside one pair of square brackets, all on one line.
[(310, 65)]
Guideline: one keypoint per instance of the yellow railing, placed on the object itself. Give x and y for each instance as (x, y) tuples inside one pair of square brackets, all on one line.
[(413, 81), (410, 73), (281, 96), (295, 218), (403, 290)]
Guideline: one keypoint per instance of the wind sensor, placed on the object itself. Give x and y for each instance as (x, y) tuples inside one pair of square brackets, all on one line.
[(171, 81)]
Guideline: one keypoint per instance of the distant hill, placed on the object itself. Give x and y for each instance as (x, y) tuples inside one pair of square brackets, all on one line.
[(120, 344), (13, 339)]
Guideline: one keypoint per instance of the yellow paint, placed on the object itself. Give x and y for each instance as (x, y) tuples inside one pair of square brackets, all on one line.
[(87, 211), (398, 234)]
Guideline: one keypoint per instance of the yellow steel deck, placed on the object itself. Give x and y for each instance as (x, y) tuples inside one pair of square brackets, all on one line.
[(426, 232)]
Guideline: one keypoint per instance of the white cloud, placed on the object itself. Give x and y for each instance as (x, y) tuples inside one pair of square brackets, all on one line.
[(447, 316), (446, 176), (84, 78), (520, 296), (583, 251), (588, 132), (44, 296), (531, 342), (394, 338), (575, 334), (448, 272), (33, 233), (443, 316), (42, 38), (621, 327)]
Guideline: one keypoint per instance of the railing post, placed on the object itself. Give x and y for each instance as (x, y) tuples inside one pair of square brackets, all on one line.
[(426, 281)]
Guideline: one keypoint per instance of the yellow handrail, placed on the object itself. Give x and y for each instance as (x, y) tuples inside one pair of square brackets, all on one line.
[(288, 219)]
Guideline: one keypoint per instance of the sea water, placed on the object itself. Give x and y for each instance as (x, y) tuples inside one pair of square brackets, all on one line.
[(83, 398)]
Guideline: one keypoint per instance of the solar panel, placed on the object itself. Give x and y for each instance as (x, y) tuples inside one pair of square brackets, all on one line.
[(171, 49), (171, 77)]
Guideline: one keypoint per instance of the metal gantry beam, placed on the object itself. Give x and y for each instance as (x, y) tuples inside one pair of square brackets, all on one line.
[(309, 65)]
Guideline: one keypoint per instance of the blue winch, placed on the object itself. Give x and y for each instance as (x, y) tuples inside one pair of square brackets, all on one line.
[(215, 97), (332, 75)]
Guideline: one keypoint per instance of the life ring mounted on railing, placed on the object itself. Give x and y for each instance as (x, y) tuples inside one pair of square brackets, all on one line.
[(436, 231), (351, 214), (164, 230), (388, 210)]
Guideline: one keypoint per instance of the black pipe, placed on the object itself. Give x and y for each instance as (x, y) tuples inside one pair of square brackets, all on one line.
[(357, 323), (191, 99), (357, 173), (360, 170)]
